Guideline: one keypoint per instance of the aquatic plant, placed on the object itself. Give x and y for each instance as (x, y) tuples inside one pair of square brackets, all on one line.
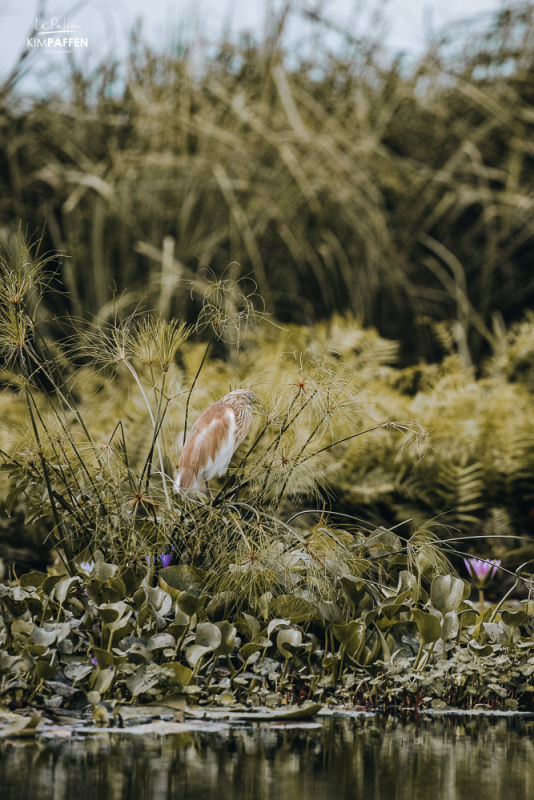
[(481, 572)]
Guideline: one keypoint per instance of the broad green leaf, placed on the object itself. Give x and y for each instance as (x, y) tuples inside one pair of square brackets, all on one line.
[(103, 657), (62, 588), (480, 649), (428, 626), (354, 590), (276, 623), (351, 635), (44, 671), (160, 641), (295, 609), (447, 592), (228, 634), (514, 618), (190, 604), (112, 612), (185, 578), (34, 579), (449, 626), (291, 636), (208, 635), (101, 681), (196, 652), (178, 673)]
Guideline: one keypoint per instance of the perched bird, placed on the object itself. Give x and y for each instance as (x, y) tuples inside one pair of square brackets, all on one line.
[(213, 440)]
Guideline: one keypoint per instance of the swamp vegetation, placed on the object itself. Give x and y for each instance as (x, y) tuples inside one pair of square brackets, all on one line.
[(246, 228)]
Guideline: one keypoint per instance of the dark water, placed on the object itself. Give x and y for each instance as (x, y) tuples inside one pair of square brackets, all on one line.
[(437, 758)]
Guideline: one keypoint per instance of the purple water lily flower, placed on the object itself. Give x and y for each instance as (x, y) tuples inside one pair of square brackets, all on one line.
[(482, 571), (165, 559)]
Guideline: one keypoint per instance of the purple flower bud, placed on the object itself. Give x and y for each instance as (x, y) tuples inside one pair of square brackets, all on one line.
[(165, 559), (151, 560), (481, 570), (94, 661)]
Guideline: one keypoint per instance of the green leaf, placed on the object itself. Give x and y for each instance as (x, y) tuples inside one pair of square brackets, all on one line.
[(190, 604), (428, 626), (111, 613), (185, 578), (101, 681), (295, 609), (34, 579), (449, 626), (514, 618), (44, 671), (160, 641), (104, 659), (228, 634), (354, 590), (351, 635), (447, 592), (208, 635), (62, 588), (196, 652), (328, 611), (276, 623), (292, 637), (178, 673), (144, 679), (480, 649)]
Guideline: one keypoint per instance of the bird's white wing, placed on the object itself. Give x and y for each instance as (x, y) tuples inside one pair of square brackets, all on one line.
[(209, 447)]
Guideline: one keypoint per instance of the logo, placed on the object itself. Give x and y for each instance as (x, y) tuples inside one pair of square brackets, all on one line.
[(57, 37)]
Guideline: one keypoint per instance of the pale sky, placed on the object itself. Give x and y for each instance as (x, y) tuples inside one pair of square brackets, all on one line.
[(106, 23)]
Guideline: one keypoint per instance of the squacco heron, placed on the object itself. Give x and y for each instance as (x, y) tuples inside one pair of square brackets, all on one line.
[(213, 440)]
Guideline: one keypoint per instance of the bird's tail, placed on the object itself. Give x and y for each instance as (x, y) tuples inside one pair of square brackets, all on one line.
[(188, 483)]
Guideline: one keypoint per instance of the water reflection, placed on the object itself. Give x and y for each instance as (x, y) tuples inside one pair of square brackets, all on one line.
[(436, 759)]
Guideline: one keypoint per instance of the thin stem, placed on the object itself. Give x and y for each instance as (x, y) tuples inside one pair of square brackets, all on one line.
[(346, 439), (193, 386), (136, 378)]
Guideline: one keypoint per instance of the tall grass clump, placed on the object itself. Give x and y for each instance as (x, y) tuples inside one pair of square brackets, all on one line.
[(108, 486), (346, 182)]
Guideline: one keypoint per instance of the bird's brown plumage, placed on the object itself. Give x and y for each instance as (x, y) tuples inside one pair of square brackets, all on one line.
[(213, 439)]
